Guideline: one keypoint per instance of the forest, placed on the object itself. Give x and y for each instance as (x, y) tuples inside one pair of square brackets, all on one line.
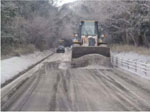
[(30, 25)]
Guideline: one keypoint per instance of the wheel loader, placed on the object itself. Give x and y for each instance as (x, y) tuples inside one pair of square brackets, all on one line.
[(89, 40)]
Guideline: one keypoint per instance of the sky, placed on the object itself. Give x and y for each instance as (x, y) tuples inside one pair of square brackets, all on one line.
[(62, 2)]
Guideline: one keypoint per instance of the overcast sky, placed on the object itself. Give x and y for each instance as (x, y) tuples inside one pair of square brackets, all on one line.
[(62, 2)]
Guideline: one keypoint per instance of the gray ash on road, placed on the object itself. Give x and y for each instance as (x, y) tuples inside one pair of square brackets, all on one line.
[(56, 86), (58, 65), (95, 61)]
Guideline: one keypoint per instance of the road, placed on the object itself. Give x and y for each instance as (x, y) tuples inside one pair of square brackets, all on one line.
[(56, 86)]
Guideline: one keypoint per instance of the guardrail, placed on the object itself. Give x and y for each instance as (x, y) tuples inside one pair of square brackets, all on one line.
[(136, 67)]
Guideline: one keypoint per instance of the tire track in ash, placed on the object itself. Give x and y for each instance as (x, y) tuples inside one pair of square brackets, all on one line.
[(141, 91), (115, 90), (66, 84), (21, 96), (55, 89), (129, 95), (132, 82), (64, 102), (60, 98), (43, 93), (28, 94), (125, 93), (89, 93), (107, 89), (78, 78)]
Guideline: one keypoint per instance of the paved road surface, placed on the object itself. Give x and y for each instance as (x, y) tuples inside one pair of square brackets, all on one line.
[(54, 87)]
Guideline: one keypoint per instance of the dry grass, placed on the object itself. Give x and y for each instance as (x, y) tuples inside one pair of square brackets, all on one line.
[(17, 51), (25, 49), (130, 48)]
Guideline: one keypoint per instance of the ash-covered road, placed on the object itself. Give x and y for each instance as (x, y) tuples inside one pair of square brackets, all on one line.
[(56, 86)]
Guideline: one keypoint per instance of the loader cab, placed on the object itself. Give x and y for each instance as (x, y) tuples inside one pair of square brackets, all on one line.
[(89, 28), (88, 34), (89, 40)]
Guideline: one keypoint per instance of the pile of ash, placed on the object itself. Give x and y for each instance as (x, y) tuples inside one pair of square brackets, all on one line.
[(91, 59)]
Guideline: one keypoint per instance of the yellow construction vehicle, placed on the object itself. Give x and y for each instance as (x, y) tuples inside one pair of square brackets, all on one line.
[(89, 40)]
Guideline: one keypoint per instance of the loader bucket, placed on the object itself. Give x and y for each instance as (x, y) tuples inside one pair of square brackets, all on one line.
[(81, 51)]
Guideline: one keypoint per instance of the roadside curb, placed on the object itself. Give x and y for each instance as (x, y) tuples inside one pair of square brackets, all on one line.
[(24, 71)]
